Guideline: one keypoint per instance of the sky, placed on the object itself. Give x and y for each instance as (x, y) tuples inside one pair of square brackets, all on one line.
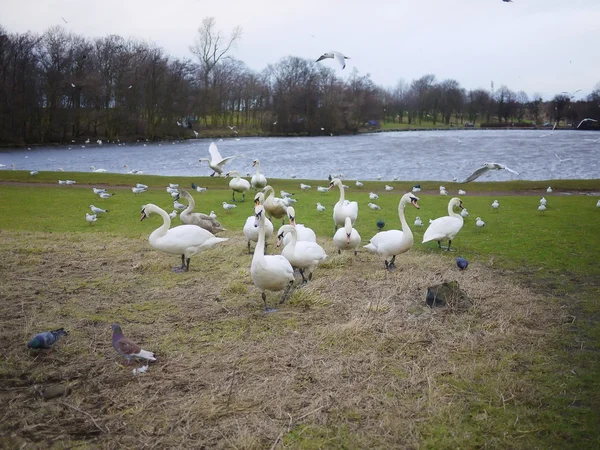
[(536, 46)]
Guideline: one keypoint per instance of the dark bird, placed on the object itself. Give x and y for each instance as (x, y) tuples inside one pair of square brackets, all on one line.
[(45, 341), (380, 224), (462, 263), (128, 349), (507, 1)]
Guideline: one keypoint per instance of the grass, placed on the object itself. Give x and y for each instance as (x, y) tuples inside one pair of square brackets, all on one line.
[(353, 360)]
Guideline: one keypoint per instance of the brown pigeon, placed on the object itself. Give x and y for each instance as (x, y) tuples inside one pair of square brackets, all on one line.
[(128, 349)]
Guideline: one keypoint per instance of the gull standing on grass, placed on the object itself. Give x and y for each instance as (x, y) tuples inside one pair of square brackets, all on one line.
[(339, 57), (228, 207), (486, 168), (91, 218), (97, 210)]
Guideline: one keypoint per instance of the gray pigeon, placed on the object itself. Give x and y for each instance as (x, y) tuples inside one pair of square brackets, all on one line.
[(128, 349), (45, 341)]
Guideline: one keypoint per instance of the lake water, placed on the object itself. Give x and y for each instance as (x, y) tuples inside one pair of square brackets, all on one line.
[(416, 155)]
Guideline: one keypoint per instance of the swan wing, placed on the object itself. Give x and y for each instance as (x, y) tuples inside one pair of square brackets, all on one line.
[(215, 155), (310, 251)]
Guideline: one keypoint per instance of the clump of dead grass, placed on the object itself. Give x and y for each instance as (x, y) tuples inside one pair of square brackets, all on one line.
[(354, 359)]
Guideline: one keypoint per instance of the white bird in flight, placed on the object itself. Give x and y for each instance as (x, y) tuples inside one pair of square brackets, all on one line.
[(339, 57), (486, 168), (571, 94), (551, 133), (586, 120), (217, 162), (560, 159)]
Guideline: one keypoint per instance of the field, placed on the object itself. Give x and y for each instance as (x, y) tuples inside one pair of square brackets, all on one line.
[(355, 359)]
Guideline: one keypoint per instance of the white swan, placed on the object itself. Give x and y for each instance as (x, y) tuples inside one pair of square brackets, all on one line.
[(269, 272), (238, 184), (394, 242), (252, 232), (93, 169), (303, 255), (343, 208), (258, 180), (184, 240), (216, 161), (189, 217), (274, 206), (347, 238), (303, 233), (446, 227)]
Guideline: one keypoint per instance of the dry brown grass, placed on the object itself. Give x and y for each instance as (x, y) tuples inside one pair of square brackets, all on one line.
[(355, 359)]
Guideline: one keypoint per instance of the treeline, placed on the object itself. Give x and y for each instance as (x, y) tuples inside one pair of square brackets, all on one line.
[(58, 86)]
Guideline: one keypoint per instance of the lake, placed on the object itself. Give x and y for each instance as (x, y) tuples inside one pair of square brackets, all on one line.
[(414, 155)]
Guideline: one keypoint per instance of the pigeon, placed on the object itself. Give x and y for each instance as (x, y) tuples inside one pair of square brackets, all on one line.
[(339, 57), (462, 263), (321, 208), (97, 210), (374, 206), (128, 349), (373, 196), (380, 224), (418, 222), (91, 218), (45, 341), (359, 184), (486, 168), (496, 205), (198, 188)]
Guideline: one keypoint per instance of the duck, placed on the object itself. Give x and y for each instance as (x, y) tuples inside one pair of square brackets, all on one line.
[(479, 223), (418, 222), (347, 238), (320, 207), (238, 184), (269, 272), (258, 180), (274, 206), (216, 161), (189, 217), (303, 233), (388, 244), (303, 255), (343, 208), (496, 205), (184, 240), (446, 227)]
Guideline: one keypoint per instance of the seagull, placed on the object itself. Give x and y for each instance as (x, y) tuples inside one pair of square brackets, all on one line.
[(496, 205), (137, 190), (196, 133), (140, 185), (593, 140), (69, 182), (178, 205), (91, 218), (507, 1), (321, 208), (418, 222), (389, 188), (64, 20), (549, 190), (373, 196), (486, 168), (586, 120), (543, 201), (73, 85), (198, 188), (34, 172), (173, 214), (228, 206), (304, 186), (359, 184), (289, 201), (105, 194), (322, 189), (461, 192), (561, 160), (339, 57), (98, 190), (464, 213), (97, 210), (480, 223), (130, 86), (443, 192), (285, 194), (598, 204), (212, 215), (541, 208), (216, 161), (62, 182), (374, 206), (416, 188), (571, 95), (99, 142), (551, 133)]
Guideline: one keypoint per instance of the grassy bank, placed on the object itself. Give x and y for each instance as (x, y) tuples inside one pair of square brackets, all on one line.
[(353, 360)]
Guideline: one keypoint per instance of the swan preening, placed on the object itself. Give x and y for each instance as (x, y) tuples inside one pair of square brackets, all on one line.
[(388, 244), (347, 238), (238, 184), (258, 180), (303, 255), (269, 272), (216, 161), (446, 227), (343, 208), (184, 240), (189, 217)]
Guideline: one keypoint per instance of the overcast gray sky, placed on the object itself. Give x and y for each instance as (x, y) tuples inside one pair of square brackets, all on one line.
[(531, 45)]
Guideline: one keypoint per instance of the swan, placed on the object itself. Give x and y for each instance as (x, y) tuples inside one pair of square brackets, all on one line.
[(274, 206), (394, 242), (269, 272), (258, 180), (93, 169), (347, 238), (252, 232), (216, 161), (303, 233), (238, 184), (303, 255), (446, 227), (189, 217), (184, 240), (343, 208)]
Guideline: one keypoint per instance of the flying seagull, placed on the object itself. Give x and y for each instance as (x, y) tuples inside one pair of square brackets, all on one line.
[(339, 57), (586, 120), (551, 133), (486, 168), (571, 94), (64, 19), (216, 161), (560, 159)]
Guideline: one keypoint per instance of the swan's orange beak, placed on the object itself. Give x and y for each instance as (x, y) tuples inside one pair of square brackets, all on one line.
[(253, 163), (292, 221), (279, 240), (143, 216), (415, 204)]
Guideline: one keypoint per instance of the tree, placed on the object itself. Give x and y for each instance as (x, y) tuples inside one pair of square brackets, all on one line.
[(559, 103), (534, 107), (522, 101)]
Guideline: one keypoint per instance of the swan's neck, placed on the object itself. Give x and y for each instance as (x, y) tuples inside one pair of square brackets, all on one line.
[(162, 230), (191, 205), (293, 239), (271, 194), (259, 250), (405, 228), (342, 198), (257, 167), (451, 212)]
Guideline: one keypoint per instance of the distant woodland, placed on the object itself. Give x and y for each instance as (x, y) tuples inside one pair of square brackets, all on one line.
[(58, 86)]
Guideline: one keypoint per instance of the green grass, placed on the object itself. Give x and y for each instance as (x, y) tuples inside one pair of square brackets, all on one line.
[(541, 395)]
